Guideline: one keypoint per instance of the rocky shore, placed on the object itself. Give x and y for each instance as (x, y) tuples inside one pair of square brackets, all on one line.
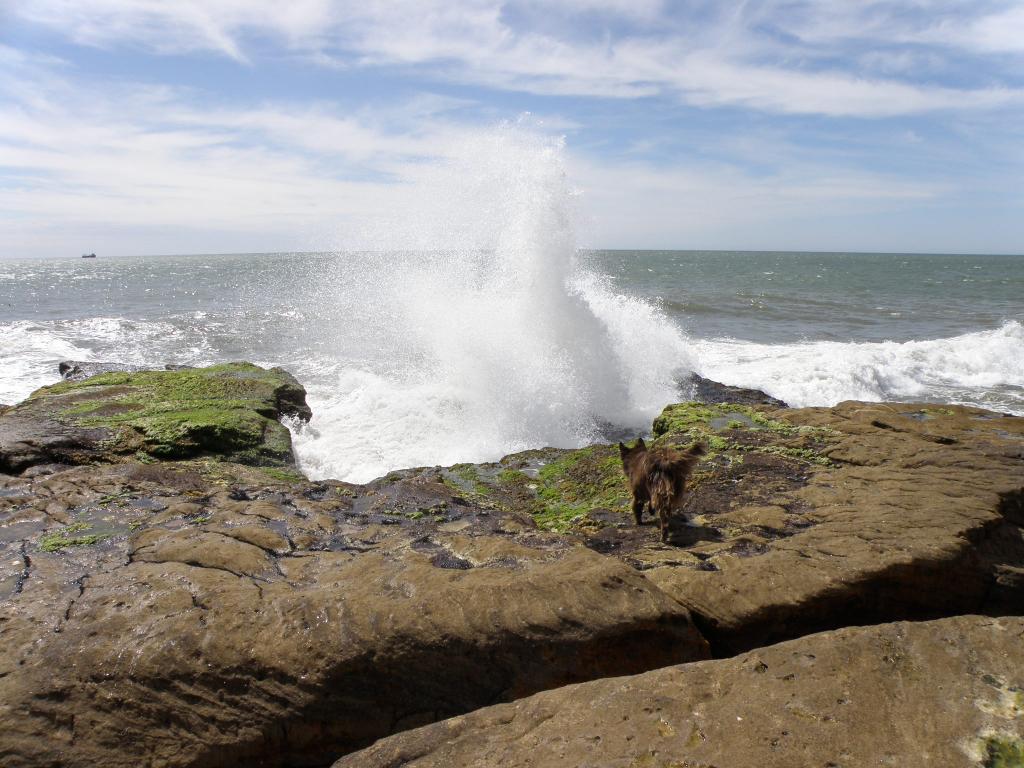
[(844, 588)]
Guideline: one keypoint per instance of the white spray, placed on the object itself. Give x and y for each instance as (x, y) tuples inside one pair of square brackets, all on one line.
[(497, 343)]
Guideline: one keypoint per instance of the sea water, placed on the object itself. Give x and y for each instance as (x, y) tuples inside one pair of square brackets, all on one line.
[(512, 337)]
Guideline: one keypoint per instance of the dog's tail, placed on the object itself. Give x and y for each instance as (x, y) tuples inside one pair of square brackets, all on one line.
[(664, 479), (662, 485), (668, 476)]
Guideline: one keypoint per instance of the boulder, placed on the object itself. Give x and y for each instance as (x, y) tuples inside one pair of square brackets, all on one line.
[(944, 693), (230, 410), (704, 390)]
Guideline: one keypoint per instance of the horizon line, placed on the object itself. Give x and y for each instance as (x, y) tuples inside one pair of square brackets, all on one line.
[(823, 252)]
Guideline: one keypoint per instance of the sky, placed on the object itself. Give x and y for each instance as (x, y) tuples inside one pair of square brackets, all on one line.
[(205, 126)]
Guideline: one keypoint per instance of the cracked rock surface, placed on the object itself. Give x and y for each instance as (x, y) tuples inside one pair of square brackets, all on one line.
[(283, 628)]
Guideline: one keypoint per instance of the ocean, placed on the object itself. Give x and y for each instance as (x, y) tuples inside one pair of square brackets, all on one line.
[(423, 358)]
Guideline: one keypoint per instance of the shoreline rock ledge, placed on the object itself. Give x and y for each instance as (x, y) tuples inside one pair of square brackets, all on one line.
[(174, 592)]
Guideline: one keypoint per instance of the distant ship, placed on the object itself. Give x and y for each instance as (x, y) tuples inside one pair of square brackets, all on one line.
[(88, 255)]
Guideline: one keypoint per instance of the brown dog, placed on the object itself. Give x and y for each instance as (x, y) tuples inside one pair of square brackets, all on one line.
[(657, 476)]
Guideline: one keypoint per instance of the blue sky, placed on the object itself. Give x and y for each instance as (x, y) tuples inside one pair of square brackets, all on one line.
[(136, 126)]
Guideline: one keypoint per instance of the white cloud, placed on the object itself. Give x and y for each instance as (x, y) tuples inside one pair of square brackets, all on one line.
[(721, 55), (142, 166), (120, 168), (1001, 32), (724, 207), (979, 26), (117, 158), (712, 82)]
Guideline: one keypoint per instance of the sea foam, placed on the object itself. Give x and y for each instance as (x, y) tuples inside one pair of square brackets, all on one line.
[(983, 368), (32, 350), (29, 357)]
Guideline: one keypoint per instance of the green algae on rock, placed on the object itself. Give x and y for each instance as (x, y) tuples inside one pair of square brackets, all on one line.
[(1003, 752), (559, 488), (576, 483), (54, 542), (732, 429), (584, 490), (229, 410)]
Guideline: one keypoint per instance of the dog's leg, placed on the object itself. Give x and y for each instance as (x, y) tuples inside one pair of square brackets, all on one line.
[(663, 515), (638, 510)]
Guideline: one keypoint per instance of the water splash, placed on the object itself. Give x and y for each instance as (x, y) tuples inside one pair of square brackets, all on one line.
[(499, 342)]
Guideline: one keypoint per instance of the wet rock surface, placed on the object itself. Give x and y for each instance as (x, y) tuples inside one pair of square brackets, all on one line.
[(945, 693), (183, 608), (702, 390)]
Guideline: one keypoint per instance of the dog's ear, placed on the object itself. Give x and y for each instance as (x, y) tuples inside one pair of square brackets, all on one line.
[(640, 443), (623, 450)]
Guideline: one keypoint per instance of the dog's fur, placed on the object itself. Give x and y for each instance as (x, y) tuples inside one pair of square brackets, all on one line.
[(657, 477)]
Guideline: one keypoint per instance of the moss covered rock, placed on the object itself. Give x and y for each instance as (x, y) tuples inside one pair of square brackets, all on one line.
[(584, 490), (230, 411)]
